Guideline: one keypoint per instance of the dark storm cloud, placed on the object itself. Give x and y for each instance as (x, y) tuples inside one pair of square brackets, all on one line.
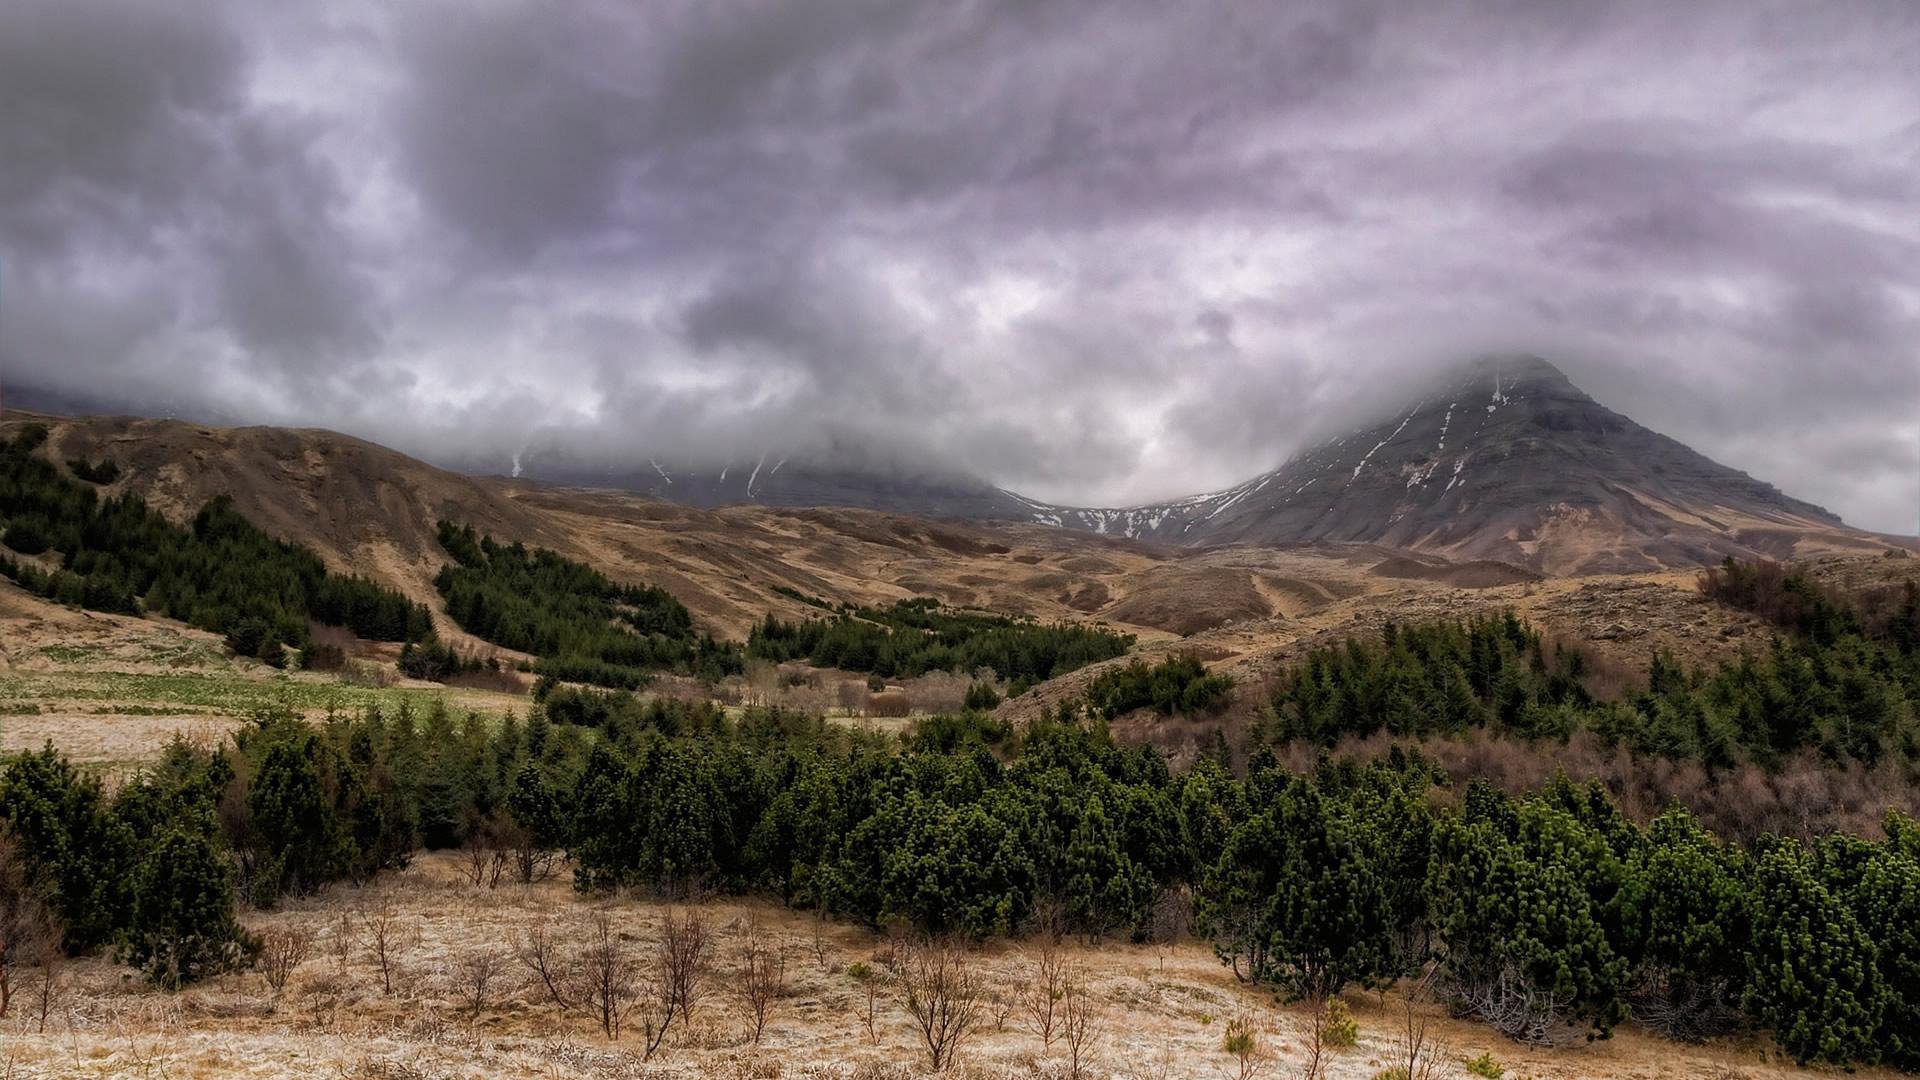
[(1097, 252)]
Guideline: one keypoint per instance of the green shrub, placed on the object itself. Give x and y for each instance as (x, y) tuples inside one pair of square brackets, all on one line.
[(1340, 1030), (981, 697), (1484, 1065), (27, 537)]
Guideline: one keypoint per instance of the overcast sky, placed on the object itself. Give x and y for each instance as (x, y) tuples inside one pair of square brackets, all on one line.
[(1098, 253)]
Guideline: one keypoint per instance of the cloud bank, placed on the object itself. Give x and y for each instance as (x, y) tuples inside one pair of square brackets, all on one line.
[(1098, 253)]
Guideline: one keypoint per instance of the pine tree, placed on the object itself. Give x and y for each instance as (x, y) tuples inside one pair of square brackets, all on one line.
[(182, 926), (1812, 974)]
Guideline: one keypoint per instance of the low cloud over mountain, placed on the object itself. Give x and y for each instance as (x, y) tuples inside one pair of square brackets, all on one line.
[(1101, 254)]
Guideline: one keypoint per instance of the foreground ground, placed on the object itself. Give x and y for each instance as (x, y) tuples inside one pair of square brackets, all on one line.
[(1157, 1011)]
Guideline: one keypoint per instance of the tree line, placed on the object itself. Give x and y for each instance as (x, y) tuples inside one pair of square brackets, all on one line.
[(1549, 916), (219, 573), (1848, 694), (913, 637)]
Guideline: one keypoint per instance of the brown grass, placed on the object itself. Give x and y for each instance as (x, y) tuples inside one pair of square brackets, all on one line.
[(1146, 1009)]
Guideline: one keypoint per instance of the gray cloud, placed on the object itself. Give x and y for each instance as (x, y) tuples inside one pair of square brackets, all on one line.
[(1098, 253)]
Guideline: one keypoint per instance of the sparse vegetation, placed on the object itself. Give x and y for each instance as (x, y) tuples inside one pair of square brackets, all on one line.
[(916, 636)]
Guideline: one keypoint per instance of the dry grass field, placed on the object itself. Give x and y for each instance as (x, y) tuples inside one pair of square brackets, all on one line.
[(458, 999)]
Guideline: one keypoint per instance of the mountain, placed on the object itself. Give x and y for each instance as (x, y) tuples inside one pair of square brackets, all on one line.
[(1505, 460), (772, 480)]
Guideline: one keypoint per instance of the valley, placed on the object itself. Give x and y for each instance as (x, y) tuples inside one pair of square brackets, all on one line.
[(120, 695)]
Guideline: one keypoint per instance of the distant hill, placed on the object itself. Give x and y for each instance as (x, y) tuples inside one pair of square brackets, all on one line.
[(777, 480)]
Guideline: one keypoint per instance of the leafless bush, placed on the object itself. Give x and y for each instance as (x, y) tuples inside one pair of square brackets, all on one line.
[(851, 696), (1688, 1011), (889, 703), (763, 980), (529, 861), (474, 858), (938, 692), (820, 953), (476, 977), (340, 938), (605, 974), (45, 985), (540, 954), (282, 951), (29, 936), (1415, 1054), (384, 931), (1045, 989), (868, 1008), (999, 1007), (1078, 1029), (1515, 1006), (678, 980), (943, 995)]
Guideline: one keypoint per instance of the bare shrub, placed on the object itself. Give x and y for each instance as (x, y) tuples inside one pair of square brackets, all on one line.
[(340, 938), (282, 951), (1045, 989), (891, 703), (1170, 920), (762, 980), (819, 941), (29, 936), (477, 975), (540, 954), (45, 985), (678, 980), (851, 696), (606, 974), (1516, 1006), (868, 1009), (938, 692), (482, 860), (384, 931), (528, 860), (1685, 1010), (943, 996), (1078, 1029), (1415, 1055)]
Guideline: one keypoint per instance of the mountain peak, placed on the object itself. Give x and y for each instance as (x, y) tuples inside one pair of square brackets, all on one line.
[(1502, 457)]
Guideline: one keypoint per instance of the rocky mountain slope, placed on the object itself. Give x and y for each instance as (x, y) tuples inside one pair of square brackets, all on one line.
[(1509, 461)]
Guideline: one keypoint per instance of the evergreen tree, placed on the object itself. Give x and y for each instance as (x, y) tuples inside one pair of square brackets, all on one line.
[(1812, 976), (182, 926)]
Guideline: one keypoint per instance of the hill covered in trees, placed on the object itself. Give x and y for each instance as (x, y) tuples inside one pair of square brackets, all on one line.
[(583, 626), (220, 573)]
